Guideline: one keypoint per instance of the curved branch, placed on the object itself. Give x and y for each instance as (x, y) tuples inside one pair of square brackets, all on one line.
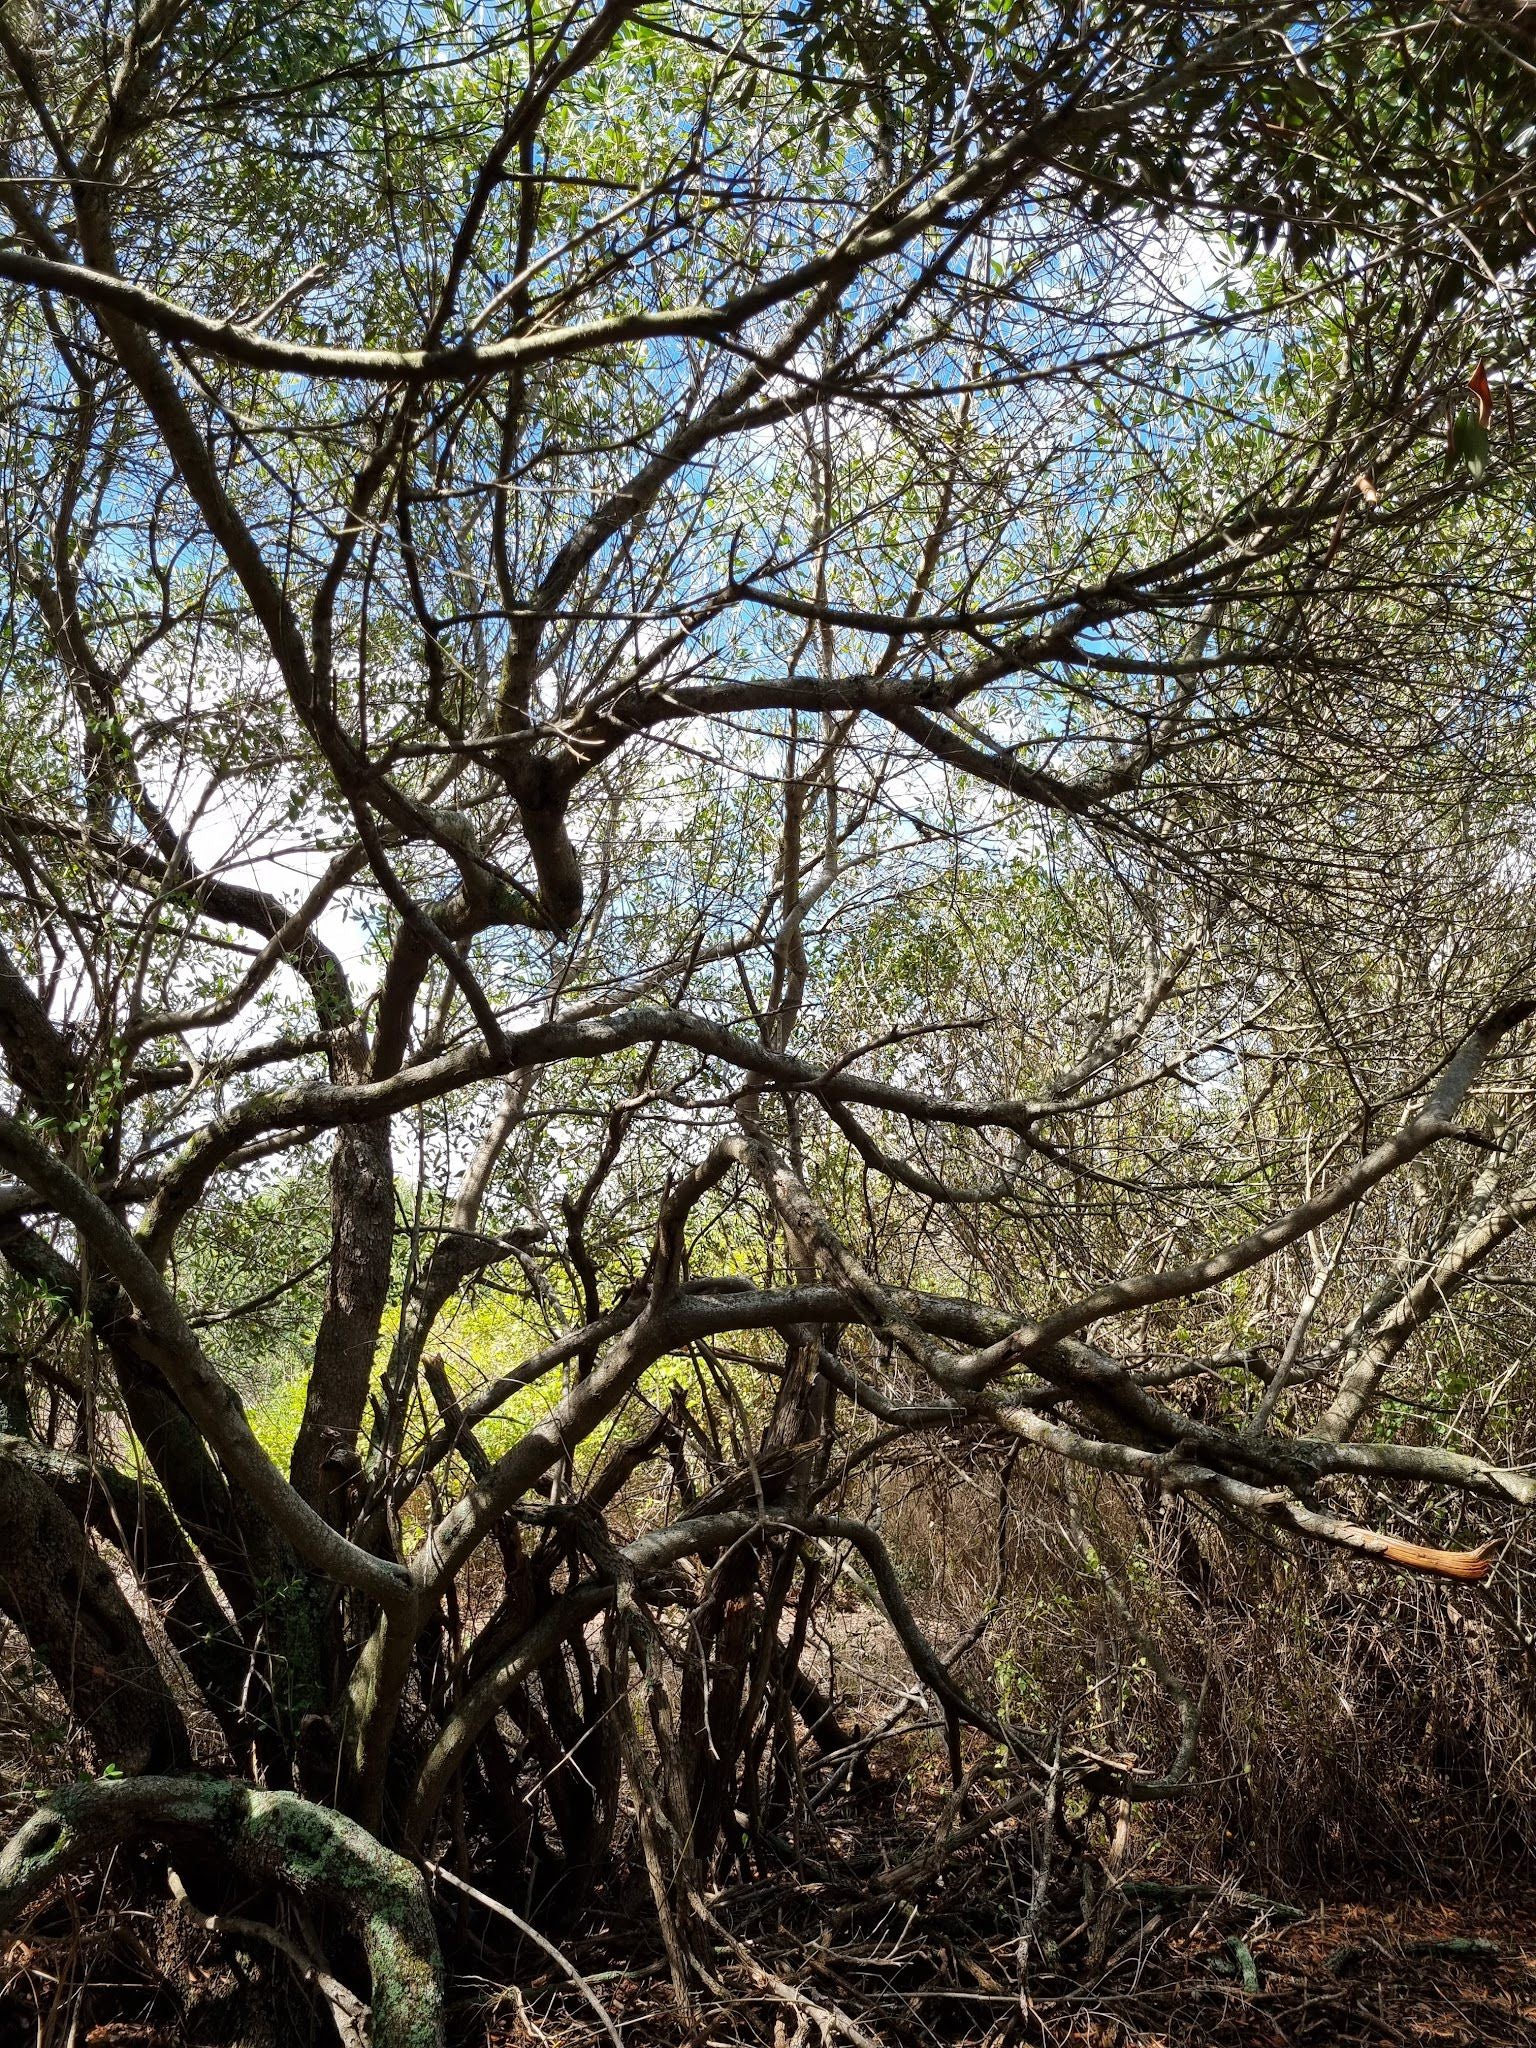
[(73, 1614), (888, 228), (1456, 1265), (479, 1705), (267, 1836), (212, 1403), (132, 1515), (1172, 1283)]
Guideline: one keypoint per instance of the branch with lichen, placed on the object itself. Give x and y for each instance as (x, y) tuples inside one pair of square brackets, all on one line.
[(267, 1836)]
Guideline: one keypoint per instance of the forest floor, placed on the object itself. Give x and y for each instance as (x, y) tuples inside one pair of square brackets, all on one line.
[(1225, 1969), (895, 1921), (1160, 1966)]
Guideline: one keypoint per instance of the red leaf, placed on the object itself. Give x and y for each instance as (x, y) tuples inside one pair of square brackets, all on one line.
[(1478, 385)]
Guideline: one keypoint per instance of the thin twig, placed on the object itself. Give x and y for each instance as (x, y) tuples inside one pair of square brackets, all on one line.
[(556, 1956)]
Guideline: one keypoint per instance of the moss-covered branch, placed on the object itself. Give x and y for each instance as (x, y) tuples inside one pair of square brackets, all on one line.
[(267, 1836)]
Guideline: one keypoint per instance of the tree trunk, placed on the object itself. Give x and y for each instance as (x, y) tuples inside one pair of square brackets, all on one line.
[(73, 1613)]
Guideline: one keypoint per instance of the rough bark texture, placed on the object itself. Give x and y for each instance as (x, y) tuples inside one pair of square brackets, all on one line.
[(73, 1613), (362, 1221), (127, 1512)]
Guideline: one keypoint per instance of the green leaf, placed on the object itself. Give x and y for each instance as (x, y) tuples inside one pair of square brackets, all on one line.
[(1469, 438)]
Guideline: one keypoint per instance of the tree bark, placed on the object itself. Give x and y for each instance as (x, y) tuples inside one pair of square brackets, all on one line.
[(362, 1233), (267, 1836), (71, 1610)]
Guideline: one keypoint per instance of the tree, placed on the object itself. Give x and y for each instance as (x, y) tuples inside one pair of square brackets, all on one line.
[(813, 695)]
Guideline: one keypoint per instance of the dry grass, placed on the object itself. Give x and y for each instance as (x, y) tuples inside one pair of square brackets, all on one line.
[(1356, 1724)]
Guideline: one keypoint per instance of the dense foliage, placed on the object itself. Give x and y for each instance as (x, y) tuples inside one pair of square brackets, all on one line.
[(747, 753)]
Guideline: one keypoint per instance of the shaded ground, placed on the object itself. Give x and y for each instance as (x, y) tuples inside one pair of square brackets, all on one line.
[(902, 1915), (1221, 1970)]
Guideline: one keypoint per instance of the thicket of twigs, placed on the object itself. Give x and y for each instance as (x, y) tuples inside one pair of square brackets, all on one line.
[(1349, 1858), (767, 1010)]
